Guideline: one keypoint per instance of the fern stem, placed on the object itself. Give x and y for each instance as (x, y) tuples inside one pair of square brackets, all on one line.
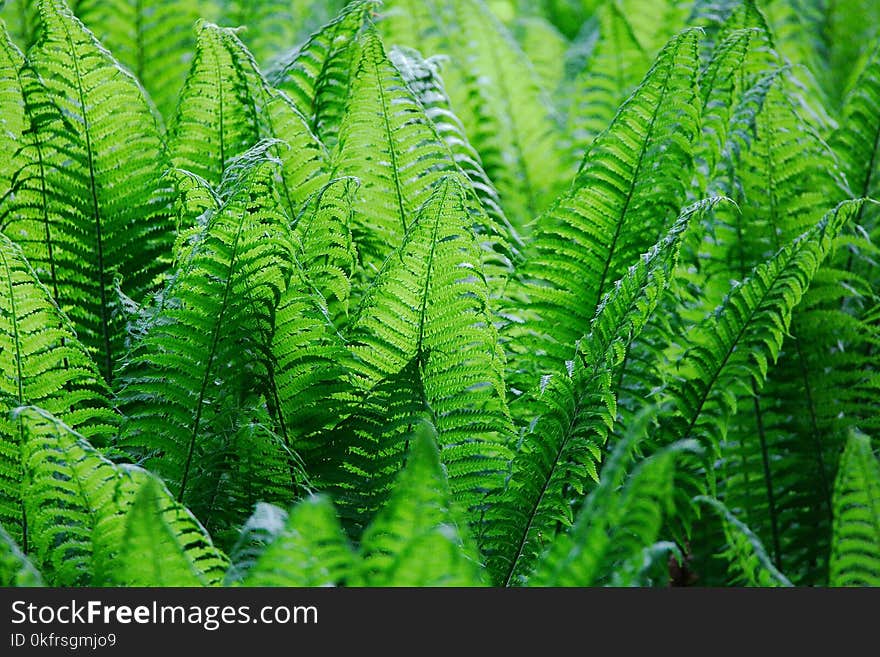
[(391, 145), (768, 478), (814, 425), (93, 188)]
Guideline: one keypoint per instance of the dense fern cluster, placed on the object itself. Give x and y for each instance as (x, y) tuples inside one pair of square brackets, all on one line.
[(439, 292)]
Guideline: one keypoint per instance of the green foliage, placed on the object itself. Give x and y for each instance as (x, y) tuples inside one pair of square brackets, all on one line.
[(855, 549), (45, 365), (439, 293)]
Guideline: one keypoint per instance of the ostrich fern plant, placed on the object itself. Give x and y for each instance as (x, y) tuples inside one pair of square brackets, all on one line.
[(419, 294)]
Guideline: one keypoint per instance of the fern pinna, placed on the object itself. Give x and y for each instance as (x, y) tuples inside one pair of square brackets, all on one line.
[(438, 294)]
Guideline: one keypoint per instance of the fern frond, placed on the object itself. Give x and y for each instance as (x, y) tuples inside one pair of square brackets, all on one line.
[(423, 77), (202, 351), (218, 121), (274, 27), (154, 40), (43, 364), (108, 176), (857, 144), (316, 75), (326, 248), (430, 305), (613, 526), (13, 119), (263, 526), (622, 201), (311, 550), (855, 547), (572, 415), (611, 68), (417, 539), (77, 502), (735, 345), (747, 558), (497, 95), (388, 143), (15, 567), (164, 545)]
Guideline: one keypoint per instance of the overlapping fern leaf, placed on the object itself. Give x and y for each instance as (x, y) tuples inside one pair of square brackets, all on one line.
[(619, 205), (16, 568), (198, 364), (618, 523), (855, 548), (44, 365), (573, 413), (78, 502), (429, 308), (101, 194), (316, 75), (728, 355), (216, 122), (153, 40)]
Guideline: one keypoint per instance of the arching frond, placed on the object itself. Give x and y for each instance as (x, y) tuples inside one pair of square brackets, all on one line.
[(735, 345), (43, 364), (387, 141), (430, 305), (112, 219), (15, 567), (855, 547), (616, 523), (227, 107), (316, 75), (154, 40), (417, 539), (571, 416), (610, 62), (747, 558), (619, 205), (311, 550), (202, 355), (163, 544)]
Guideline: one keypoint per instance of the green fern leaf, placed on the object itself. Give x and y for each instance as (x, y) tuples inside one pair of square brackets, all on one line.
[(217, 122), (613, 526), (43, 364), (328, 254), (316, 75), (109, 180), (153, 39), (75, 502), (620, 204), (15, 567), (163, 544), (311, 550), (497, 95), (202, 351), (574, 412), (416, 539), (423, 78), (735, 345), (748, 559), (387, 142), (613, 66), (855, 549), (430, 304)]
